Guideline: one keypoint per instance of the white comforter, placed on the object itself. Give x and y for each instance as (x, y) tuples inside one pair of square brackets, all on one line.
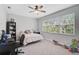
[(32, 37)]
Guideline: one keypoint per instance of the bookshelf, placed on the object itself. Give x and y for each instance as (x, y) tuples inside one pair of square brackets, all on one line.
[(11, 29)]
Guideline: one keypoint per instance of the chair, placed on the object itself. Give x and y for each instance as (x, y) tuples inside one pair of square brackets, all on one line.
[(11, 46)]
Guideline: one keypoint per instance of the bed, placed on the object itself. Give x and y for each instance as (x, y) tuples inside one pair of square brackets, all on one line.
[(45, 47), (32, 37)]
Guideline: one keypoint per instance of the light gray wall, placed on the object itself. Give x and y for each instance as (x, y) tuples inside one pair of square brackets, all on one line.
[(60, 37), (23, 23), (2, 17)]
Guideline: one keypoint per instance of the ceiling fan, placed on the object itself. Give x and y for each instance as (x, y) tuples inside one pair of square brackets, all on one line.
[(37, 9)]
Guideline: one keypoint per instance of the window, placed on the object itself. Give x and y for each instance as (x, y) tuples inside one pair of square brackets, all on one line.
[(63, 25)]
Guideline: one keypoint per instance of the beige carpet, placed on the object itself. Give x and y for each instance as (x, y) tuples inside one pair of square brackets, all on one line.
[(44, 48)]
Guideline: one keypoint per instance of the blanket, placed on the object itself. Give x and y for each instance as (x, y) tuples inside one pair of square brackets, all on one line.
[(32, 38)]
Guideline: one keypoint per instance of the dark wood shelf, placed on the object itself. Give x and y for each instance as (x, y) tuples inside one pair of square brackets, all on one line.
[(11, 29)]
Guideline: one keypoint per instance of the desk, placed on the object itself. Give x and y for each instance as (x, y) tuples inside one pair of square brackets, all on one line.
[(4, 51), (9, 49)]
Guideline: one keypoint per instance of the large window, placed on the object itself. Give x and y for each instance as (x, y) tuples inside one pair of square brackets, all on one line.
[(64, 24)]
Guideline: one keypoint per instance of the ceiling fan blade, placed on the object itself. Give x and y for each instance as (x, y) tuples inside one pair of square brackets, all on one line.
[(31, 11), (42, 11), (30, 7), (41, 6)]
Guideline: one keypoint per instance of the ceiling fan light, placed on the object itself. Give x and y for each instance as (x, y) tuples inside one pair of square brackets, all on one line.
[(36, 12)]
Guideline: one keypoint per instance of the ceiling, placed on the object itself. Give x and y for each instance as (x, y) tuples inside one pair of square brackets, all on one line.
[(23, 10)]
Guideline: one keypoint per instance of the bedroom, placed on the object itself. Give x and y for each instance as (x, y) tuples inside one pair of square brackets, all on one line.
[(29, 21)]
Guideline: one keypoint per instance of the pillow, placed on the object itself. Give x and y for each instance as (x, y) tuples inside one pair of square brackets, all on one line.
[(28, 31)]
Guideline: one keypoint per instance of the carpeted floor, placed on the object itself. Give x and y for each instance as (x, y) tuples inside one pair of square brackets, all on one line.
[(44, 48)]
